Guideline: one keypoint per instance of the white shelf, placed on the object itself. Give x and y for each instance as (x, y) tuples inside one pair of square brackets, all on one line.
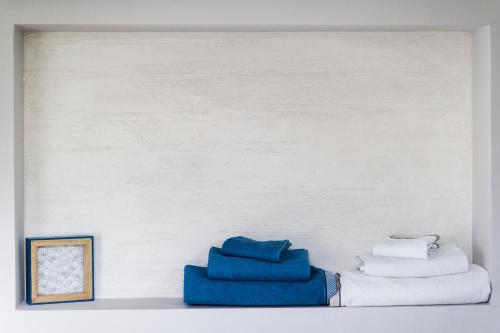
[(110, 304), (172, 303), (172, 315)]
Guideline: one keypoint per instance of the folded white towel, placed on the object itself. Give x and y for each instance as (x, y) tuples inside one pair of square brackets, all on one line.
[(359, 289), (431, 240), (449, 259), (416, 248)]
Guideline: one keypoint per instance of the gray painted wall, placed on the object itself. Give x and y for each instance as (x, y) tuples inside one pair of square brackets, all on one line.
[(164, 144)]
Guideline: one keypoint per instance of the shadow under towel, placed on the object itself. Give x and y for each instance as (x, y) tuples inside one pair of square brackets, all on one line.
[(294, 267), (199, 289)]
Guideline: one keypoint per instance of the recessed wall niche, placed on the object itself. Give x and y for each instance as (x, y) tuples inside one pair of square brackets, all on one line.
[(162, 144)]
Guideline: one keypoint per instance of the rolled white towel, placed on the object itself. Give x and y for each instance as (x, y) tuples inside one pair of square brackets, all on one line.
[(449, 259), (359, 289), (416, 248)]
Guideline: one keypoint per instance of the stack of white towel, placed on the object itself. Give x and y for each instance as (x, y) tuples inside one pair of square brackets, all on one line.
[(413, 271)]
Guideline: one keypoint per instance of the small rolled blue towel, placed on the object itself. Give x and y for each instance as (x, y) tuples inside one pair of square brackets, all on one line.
[(199, 289), (239, 246), (294, 267)]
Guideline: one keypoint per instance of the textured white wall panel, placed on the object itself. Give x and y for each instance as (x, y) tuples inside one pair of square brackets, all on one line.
[(163, 144)]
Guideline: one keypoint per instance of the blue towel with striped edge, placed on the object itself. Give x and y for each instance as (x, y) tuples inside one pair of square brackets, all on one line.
[(200, 290), (331, 285)]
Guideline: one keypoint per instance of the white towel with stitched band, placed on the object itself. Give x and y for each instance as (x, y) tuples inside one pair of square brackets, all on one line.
[(359, 289), (416, 248), (432, 240), (448, 260)]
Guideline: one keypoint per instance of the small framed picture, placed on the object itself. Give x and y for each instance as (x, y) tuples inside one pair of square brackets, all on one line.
[(59, 269)]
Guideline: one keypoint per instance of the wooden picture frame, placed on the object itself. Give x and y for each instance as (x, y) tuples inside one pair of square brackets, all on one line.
[(82, 268)]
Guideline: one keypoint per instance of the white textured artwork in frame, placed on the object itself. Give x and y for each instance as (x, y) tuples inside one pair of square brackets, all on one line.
[(60, 270)]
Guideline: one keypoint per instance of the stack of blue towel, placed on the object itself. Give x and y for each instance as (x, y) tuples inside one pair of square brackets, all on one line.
[(255, 273)]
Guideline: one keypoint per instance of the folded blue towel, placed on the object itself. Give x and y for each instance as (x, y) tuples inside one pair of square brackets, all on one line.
[(248, 248), (294, 267), (199, 289)]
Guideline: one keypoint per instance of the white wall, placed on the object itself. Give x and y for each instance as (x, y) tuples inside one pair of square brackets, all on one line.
[(163, 144), (482, 190)]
